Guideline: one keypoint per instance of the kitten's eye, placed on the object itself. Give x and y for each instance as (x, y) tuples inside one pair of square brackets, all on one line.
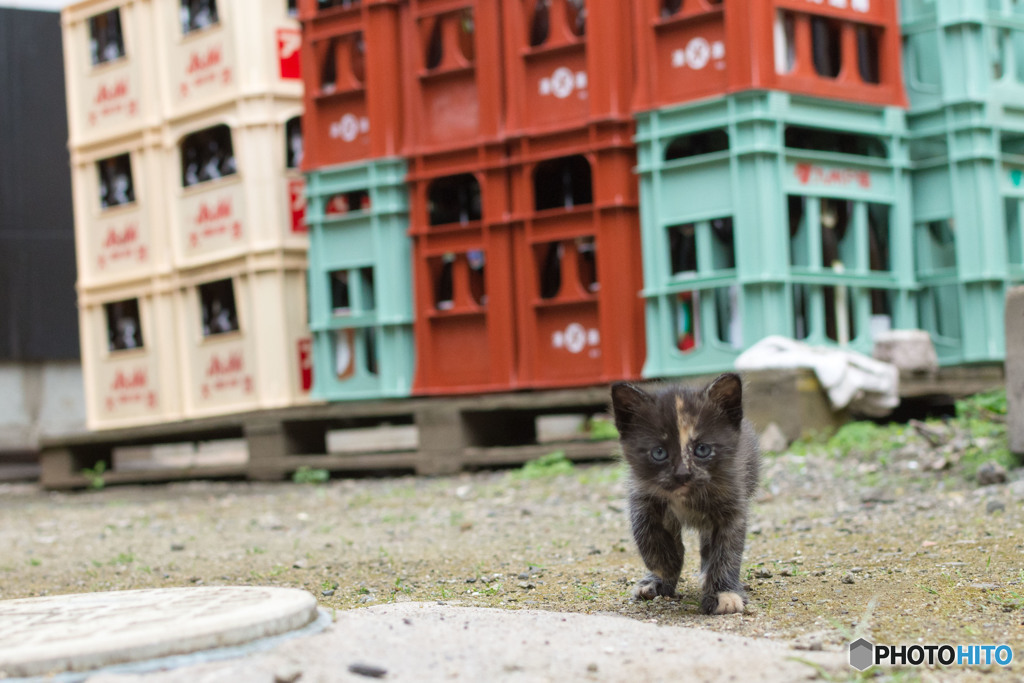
[(702, 450), (659, 454)]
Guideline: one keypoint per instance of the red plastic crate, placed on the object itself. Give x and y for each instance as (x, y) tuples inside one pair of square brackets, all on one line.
[(578, 260), (565, 65), (453, 81), (844, 49), (462, 262), (351, 58)]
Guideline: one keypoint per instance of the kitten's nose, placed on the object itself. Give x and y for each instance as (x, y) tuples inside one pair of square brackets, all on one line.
[(682, 475)]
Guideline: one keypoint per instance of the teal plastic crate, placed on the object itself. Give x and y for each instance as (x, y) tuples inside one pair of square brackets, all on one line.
[(360, 284), (968, 196), (957, 51), (765, 213)]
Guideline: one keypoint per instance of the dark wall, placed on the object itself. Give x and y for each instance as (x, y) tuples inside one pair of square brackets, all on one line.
[(38, 316)]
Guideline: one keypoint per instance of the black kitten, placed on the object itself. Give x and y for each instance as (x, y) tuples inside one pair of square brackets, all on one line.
[(693, 461)]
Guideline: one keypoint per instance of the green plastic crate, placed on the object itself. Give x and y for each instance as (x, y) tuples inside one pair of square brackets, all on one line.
[(957, 51), (733, 193), (360, 286)]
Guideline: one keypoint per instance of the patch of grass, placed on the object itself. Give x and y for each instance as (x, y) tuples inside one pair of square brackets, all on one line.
[(982, 406), (310, 475), (550, 465), (95, 475), (602, 429), (866, 438), (123, 558)]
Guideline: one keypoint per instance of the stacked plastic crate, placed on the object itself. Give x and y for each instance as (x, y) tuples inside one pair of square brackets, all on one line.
[(569, 70), (119, 203), (191, 246), (458, 181), (774, 176), (357, 202), (965, 81)]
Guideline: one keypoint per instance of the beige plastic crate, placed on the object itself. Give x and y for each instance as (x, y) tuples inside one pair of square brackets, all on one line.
[(256, 208), (120, 218), (251, 49), (117, 96), (128, 383), (256, 357)]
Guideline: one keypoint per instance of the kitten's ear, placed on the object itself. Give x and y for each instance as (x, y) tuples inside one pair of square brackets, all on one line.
[(726, 391), (627, 402)]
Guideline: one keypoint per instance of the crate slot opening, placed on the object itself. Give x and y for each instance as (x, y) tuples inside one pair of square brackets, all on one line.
[(451, 40), (116, 185), (197, 15), (821, 140), (293, 142), (206, 155), (565, 182), (106, 42), (355, 349), (342, 63), (124, 325), (217, 304), (459, 281), (697, 144), (454, 199)]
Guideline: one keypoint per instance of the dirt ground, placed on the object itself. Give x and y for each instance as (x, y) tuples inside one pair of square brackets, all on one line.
[(891, 548)]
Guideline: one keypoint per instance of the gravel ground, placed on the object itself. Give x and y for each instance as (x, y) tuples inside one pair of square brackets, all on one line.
[(839, 548)]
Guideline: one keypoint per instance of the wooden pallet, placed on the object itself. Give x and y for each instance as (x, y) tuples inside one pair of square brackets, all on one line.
[(453, 433)]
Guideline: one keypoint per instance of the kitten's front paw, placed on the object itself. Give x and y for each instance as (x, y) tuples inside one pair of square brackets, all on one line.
[(722, 603), (652, 586)]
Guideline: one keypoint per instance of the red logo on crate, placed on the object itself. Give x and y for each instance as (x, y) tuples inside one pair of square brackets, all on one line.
[(232, 364), (106, 94), (121, 245), (202, 69), (200, 62), (214, 220), (224, 373), (306, 364), (130, 388), (576, 338), (812, 174), (137, 380), (289, 41), (115, 239), (110, 99), (297, 202)]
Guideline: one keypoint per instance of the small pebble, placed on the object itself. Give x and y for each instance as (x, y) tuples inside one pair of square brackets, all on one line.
[(176, 547), (327, 593), (848, 577), (762, 573), (368, 670), (991, 473), (994, 506), (592, 668)]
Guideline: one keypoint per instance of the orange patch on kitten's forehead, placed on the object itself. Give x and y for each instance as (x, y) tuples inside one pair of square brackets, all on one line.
[(685, 423)]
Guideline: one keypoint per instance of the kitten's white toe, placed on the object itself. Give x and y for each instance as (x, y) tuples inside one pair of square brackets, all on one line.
[(729, 603)]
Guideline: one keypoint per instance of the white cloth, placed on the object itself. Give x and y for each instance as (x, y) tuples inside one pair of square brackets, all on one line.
[(851, 380)]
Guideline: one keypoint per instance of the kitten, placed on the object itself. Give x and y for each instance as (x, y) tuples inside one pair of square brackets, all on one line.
[(693, 461)]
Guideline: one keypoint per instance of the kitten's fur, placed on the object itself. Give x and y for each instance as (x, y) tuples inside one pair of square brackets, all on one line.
[(693, 461)]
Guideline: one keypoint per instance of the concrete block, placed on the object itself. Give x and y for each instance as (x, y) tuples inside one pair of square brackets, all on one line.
[(908, 350)]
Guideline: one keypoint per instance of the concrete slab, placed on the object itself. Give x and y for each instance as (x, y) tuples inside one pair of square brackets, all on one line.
[(431, 642), (80, 632)]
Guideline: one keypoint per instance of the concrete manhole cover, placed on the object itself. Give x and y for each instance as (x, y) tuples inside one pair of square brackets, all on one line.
[(91, 630)]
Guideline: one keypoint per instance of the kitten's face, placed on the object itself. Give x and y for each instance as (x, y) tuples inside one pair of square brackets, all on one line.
[(679, 441)]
